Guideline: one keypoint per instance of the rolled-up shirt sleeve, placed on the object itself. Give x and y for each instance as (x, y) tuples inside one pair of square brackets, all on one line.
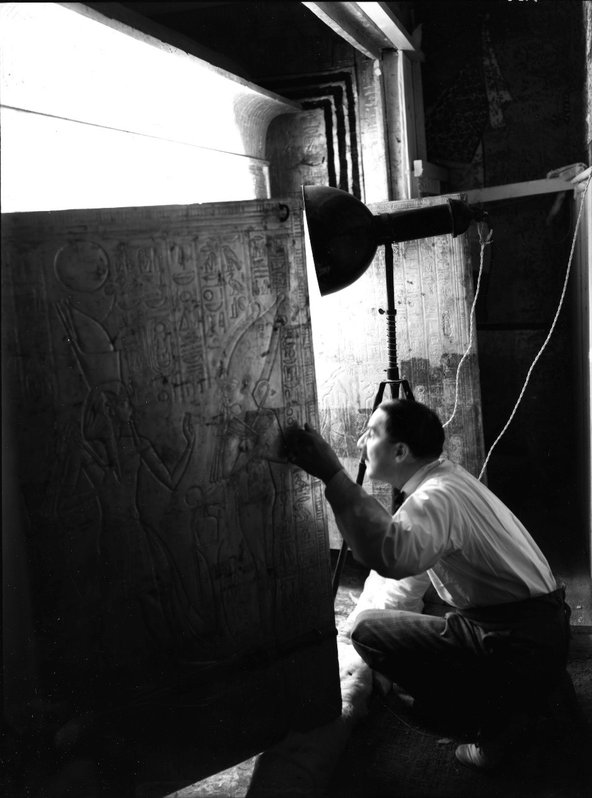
[(396, 546)]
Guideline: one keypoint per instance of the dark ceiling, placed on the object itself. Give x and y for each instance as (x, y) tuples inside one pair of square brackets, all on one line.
[(246, 38), (241, 37)]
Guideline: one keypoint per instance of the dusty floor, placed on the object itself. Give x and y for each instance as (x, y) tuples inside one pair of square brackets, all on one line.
[(370, 750), (388, 754)]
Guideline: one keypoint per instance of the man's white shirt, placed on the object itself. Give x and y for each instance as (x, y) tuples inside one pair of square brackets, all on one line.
[(473, 548)]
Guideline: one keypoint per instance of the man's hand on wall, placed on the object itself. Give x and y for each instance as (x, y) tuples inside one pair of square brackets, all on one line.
[(311, 452)]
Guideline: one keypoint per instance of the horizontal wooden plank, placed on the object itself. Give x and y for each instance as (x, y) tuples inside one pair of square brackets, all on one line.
[(49, 168), (352, 26), (369, 27), (167, 94), (385, 19), (513, 190)]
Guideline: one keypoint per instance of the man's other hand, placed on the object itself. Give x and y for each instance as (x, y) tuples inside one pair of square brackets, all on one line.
[(309, 450)]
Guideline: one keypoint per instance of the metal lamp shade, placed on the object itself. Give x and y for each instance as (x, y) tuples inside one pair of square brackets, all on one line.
[(344, 234)]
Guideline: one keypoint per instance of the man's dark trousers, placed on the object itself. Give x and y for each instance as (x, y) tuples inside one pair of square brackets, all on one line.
[(480, 666)]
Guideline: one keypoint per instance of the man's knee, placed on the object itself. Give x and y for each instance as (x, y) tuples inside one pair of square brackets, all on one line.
[(364, 631), (381, 630)]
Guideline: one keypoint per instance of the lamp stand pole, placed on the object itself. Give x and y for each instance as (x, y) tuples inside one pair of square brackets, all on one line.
[(393, 380)]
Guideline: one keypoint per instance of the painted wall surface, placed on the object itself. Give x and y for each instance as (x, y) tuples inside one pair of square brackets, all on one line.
[(587, 12), (153, 358), (503, 86), (583, 290)]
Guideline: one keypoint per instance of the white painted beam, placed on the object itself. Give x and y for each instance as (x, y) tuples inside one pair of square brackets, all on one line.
[(515, 190), (347, 21), (369, 27), (387, 21)]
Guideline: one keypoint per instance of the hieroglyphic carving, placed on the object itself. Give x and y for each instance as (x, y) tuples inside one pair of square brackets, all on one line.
[(433, 295), (169, 350)]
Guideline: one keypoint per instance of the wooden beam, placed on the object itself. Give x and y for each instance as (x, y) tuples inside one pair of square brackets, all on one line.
[(347, 21), (409, 122), (514, 190), (395, 131), (386, 20), (167, 83)]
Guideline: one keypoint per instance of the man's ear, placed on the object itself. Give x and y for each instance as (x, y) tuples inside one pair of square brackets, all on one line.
[(401, 450)]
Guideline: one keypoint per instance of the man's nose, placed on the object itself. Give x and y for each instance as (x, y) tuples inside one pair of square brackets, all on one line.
[(362, 441)]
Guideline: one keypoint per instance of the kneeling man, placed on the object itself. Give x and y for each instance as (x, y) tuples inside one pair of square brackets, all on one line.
[(504, 643)]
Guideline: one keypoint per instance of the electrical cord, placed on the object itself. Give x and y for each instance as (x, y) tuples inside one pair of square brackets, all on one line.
[(484, 242)]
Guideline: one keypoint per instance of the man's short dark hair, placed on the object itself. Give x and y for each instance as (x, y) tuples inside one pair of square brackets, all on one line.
[(414, 424)]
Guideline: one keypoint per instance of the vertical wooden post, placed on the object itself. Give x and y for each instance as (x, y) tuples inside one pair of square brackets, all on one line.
[(395, 130), (405, 125)]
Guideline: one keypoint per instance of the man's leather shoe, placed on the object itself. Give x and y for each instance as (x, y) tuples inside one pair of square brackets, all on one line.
[(476, 756)]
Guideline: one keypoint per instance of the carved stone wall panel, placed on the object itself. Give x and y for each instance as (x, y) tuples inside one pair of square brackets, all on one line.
[(153, 358), (433, 297), (297, 152)]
